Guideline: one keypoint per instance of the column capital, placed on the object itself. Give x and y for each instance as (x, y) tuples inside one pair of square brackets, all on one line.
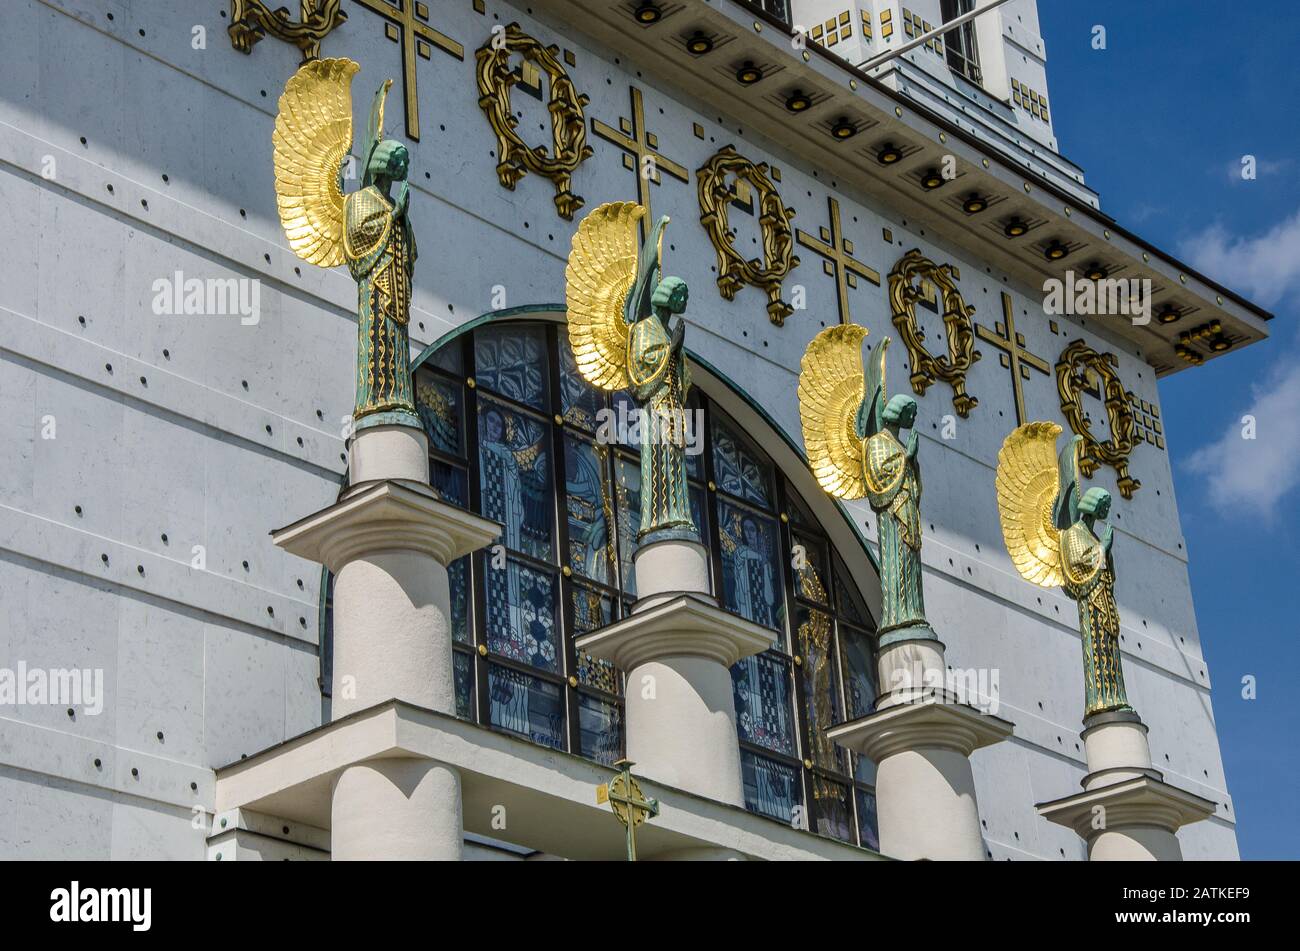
[(931, 722), (1142, 801), (685, 626), (386, 515)]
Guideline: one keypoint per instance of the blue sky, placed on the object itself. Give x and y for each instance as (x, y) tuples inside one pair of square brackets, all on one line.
[(1159, 121)]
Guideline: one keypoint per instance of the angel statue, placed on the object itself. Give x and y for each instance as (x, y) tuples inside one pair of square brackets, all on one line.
[(1050, 533), (368, 228), (851, 432), (624, 337)]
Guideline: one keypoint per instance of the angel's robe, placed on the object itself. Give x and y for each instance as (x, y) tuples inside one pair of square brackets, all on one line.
[(659, 385), (380, 251), (894, 491), (1090, 581)]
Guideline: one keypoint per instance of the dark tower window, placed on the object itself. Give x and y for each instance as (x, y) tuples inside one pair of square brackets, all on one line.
[(959, 44)]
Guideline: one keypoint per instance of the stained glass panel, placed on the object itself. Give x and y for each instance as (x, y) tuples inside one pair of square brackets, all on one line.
[(761, 688), (590, 503), (622, 430), (526, 705), (847, 602), (737, 470), (820, 687), (463, 676), (515, 477), (771, 788), (868, 824), (513, 361), (751, 574), (458, 582), (448, 357), (592, 610), (580, 401), (808, 560), (831, 814), (521, 615), (450, 483), (627, 490), (859, 672), (438, 402), (600, 729)]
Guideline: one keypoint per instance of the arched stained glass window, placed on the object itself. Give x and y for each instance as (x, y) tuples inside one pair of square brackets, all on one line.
[(516, 435)]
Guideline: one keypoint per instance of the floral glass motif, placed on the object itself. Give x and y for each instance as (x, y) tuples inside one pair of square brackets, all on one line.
[(521, 615), (580, 401), (590, 509), (515, 477), (513, 361), (771, 788), (463, 677), (761, 688), (737, 471), (600, 729), (526, 705), (751, 573), (438, 401)]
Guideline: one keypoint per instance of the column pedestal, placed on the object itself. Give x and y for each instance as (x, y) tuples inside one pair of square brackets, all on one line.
[(1127, 812), (920, 739), (388, 541), (678, 648)]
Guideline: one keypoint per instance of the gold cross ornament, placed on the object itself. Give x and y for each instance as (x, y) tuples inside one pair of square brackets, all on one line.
[(1014, 356), (407, 23), (839, 261), (627, 802), (640, 154)]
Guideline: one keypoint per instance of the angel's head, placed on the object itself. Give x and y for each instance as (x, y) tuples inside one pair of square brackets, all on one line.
[(389, 161), (670, 295), (1095, 503), (900, 411)]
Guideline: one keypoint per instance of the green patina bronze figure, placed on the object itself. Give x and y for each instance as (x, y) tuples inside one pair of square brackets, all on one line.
[(368, 229), (626, 331), (1050, 532), (852, 434)]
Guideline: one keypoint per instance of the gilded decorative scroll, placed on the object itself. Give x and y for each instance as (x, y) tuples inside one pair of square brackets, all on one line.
[(1078, 365), (250, 20), (906, 286), (734, 270), (569, 147)]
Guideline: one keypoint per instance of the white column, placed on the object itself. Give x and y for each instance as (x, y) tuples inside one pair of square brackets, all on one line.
[(389, 541), (677, 649), (921, 739), (1126, 811)]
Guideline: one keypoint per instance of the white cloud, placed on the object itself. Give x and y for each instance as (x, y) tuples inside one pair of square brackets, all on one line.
[(1264, 267), (1254, 474)]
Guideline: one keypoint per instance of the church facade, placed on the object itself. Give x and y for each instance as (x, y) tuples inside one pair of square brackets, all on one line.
[(178, 384)]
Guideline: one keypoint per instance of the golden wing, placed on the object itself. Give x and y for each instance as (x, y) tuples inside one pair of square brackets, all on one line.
[(832, 385), (1027, 487), (601, 272), (313, 133)]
